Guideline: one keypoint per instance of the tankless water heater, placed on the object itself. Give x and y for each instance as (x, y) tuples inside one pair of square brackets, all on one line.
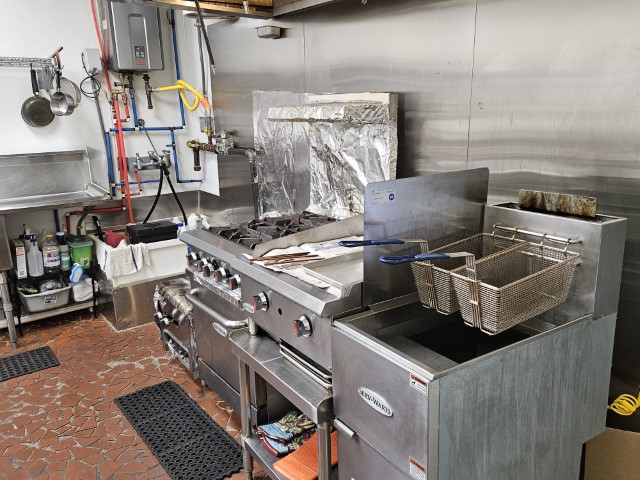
[(136, 41)]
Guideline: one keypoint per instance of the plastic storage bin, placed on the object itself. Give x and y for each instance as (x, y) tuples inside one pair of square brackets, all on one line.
[(41, 302), (81, 251)]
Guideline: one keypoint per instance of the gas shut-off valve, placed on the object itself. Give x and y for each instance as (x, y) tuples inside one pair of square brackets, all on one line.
[(223, 144)]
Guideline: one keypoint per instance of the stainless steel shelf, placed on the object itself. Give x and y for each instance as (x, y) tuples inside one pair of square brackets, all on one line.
[(27, 316), (27, 62), (266, 460), (263, 355)]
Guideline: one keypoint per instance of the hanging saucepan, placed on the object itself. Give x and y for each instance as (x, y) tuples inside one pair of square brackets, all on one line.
[(61, 103), (36, 110)]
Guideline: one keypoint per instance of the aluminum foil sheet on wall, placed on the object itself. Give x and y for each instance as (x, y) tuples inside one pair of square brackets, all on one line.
[(319, 154), (277, 158)]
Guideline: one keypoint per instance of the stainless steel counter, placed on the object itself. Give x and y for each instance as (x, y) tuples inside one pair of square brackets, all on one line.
[(49, 180)]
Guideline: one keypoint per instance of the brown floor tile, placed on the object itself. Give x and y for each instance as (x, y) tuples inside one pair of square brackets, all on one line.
[(62, 423)]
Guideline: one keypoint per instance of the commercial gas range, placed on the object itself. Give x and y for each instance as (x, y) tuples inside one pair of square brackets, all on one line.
[(229, 293)]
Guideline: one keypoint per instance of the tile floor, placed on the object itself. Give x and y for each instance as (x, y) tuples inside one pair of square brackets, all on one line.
[(62, 423)]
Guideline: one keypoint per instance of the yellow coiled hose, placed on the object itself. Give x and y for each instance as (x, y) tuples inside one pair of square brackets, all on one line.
[(625, 404), (181, 85)]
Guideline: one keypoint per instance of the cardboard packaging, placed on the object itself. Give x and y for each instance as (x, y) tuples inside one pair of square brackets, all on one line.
[(614, 454), (19, 254)]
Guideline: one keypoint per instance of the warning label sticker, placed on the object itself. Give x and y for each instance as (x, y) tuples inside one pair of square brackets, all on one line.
[(416, 470), (383, 196), (420, 384)]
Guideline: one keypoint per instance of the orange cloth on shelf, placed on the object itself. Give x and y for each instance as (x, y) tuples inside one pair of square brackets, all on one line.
[(303, 463)]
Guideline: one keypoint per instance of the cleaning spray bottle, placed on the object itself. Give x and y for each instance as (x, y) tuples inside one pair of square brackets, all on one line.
[(34, 259)]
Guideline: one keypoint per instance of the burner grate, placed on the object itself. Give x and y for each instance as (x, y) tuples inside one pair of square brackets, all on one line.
[(252, 233)]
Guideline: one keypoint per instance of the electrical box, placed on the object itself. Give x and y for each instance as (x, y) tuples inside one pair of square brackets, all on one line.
[(136, 40)]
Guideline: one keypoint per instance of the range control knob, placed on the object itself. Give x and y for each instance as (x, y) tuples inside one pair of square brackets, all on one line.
[(214, 263), (234, 282), (192, 258), (260, 302), (207, 270), (199, 265), (220, 275), (302, 327)]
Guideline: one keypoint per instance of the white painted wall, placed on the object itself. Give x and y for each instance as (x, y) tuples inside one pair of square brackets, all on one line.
[(35, 29)]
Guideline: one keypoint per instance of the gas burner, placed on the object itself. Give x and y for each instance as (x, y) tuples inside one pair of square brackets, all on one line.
[(258, 231)]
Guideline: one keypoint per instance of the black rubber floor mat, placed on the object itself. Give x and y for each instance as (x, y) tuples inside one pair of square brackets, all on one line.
[(188, 443), (27, 362)]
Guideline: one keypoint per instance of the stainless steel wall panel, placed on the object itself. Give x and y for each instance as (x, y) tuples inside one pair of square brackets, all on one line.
[(245, 63), (419, 49)]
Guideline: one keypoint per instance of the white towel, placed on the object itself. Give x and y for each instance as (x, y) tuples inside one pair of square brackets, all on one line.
[(123, 260)]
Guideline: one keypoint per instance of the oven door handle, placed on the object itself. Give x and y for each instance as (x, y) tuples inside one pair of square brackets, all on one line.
[(343, 428), (225, 322)]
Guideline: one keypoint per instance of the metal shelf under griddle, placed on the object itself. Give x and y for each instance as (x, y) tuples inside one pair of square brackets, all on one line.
[(266, 460), (263, 355)]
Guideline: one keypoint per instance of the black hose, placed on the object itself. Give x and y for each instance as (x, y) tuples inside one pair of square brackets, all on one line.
[(184, 215), (84, 215), (155, 201), (202, 71), (204, 34)]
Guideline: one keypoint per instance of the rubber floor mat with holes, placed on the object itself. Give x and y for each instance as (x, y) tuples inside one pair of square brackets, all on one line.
[(27, 362), (188, 443)]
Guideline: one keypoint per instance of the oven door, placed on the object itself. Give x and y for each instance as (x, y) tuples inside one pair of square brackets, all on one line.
[(211, 332)]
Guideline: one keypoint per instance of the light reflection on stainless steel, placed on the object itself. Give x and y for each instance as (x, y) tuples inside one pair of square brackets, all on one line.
[(554, 111)]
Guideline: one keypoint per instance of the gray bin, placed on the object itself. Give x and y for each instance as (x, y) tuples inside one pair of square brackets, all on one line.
[(41, 302)]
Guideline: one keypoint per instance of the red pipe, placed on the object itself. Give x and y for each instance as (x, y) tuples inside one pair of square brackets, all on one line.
[(123, 161), (138, 180)]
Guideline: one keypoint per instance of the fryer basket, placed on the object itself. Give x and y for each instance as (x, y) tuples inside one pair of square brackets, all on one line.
[(435, 287), (514, 285)]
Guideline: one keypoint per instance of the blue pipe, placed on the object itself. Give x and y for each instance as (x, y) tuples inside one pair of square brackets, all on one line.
[(132, 96), (110, 164), (175, 56), (56, 218)]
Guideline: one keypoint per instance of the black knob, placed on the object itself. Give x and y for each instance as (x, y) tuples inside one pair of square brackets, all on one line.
[(214, 263)]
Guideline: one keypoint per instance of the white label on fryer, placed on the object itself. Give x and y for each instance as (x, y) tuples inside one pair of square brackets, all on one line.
[(416, 470), (420, 384), (383, 196)]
